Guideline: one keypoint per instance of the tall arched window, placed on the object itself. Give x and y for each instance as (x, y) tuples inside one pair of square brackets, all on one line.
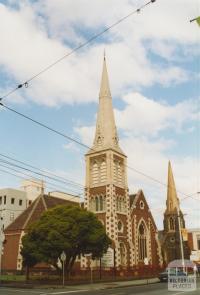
[(96, 203), (122, 252), (95, 173), (142, 242), (103, 171), (119, 172), (120, 204), (92, 204), (100, 203)]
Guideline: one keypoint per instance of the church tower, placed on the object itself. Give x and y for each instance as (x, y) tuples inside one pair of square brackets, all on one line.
[(106, 192), (172, 224)]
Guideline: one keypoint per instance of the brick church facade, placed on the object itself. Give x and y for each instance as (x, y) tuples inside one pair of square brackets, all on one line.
[(127, 218)]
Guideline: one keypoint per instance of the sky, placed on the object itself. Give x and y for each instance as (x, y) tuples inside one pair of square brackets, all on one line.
[(153, 61)]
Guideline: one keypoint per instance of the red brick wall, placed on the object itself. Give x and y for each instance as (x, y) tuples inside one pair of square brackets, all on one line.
[(10, 252)]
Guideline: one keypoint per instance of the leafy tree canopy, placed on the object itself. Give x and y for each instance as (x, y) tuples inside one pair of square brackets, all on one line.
[(64, 228)]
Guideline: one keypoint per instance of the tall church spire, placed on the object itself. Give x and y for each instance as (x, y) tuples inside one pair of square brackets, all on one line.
[(106, 132), (172, 199)]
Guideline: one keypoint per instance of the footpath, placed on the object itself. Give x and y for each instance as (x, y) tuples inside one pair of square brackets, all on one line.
[(84, 287)]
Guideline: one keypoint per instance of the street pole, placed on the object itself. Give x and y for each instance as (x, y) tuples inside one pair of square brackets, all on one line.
[(181, 239), (63, 273), (91, 274), (100, 266), (63, 258), (1, 242)]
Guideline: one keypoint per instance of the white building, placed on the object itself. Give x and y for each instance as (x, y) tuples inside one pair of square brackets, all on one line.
[(33, 188), (12, 203), (64, 196), (194, 243)]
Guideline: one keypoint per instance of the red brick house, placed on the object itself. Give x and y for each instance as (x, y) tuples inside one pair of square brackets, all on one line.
[(11, 258)]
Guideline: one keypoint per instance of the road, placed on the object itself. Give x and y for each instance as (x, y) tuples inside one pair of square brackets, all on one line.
[(153, 289)]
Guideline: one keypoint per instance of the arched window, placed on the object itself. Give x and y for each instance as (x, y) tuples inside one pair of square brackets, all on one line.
[(92, 204), (103, 171), (100, 203), (119, 172), (96, 203), (122, 252), (120, 226), (142, 242), (171, 223), (120, 204), (95, 173)]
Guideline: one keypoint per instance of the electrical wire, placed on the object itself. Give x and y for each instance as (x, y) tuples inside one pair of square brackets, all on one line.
[(42, 170), (26, 83), (37, 173), (51, 187), (86, 146), (48, 182)]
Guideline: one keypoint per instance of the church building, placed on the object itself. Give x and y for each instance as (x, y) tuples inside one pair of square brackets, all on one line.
[(173, 234), (127, 218)]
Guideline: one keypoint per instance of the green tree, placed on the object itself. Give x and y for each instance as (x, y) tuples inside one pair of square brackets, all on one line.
[(29, 254), (64, 228)]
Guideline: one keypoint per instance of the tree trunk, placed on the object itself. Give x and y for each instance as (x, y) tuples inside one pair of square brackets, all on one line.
[(27, 273)]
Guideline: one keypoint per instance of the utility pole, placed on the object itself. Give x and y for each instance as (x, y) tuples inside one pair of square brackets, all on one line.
[(1, 240), (180, 236)]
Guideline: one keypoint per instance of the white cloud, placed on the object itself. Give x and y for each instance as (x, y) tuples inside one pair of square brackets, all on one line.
[(37, 33), (86, 134), (143, 115)]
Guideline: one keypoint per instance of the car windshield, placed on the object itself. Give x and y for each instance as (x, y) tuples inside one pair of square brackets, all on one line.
[(174, 271)]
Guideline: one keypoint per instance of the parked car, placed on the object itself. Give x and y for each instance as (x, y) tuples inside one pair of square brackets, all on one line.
[(163, 276)]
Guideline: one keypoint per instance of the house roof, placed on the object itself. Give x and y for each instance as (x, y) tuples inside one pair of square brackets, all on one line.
[(35, 210)]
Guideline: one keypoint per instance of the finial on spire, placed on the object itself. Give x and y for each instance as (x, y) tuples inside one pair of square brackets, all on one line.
[(104, 54)]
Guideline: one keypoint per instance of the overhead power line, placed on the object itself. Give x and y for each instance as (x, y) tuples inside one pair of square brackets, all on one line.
[(85, 146), (26, 83), (44, 126), (44, 173), (55, 186), (31, 171)]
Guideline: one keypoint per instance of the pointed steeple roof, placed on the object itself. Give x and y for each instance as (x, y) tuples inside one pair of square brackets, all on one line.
[(106, 131), (172, 199)]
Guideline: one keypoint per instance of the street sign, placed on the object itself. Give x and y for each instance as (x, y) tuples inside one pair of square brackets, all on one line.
[(63, 256)]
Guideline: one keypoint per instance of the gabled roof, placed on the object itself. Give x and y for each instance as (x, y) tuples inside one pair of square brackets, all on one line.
[(35, 210), (134, 205)]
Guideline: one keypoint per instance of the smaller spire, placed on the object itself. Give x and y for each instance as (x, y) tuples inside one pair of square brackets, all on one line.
[(172, 199)]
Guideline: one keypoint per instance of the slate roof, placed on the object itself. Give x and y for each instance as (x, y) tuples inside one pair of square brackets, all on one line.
[(35, 210)]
